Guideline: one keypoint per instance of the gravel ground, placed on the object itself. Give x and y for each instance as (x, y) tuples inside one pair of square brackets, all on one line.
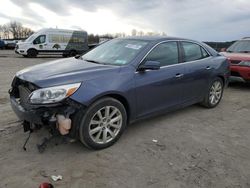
[(196, 147)]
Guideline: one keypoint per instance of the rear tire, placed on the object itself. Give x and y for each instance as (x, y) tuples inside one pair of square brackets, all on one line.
[(32, 53), (65, 55), (72, 53), (103, 123), (214, 94)]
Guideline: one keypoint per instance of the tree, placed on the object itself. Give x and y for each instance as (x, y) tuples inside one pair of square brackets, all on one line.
[(1, 32), (133, 32), (93, 39), (14, 30), (6, 31), (141, 33)]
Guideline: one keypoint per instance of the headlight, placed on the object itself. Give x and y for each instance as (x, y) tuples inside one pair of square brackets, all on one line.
[(245, 63), (53, 94)]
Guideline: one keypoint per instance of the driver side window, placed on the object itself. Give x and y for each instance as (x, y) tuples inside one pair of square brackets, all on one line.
[(165, 53), (40, 39)]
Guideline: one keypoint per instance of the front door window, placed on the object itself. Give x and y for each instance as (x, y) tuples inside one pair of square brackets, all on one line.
[(40, 39)]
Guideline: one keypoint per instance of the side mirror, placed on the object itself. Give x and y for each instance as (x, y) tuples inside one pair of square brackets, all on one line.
[(149, 65), (77, 56), (223, 49)]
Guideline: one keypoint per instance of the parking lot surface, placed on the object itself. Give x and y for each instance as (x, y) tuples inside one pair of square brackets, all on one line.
[(192, 147)]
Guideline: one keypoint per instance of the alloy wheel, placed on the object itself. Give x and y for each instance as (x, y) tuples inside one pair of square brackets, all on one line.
[(105, 124), (215, 93)]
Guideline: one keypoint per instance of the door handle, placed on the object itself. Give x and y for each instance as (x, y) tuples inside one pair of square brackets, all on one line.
[(208, 68), (179, 75)]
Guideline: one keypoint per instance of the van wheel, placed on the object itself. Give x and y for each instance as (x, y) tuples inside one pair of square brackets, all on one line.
[(25, 56), (72, 53), (65, 55), (214, 94), (103, 123), (31, 53)]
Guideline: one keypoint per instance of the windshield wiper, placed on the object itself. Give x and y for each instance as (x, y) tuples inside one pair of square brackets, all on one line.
[(92, 61)]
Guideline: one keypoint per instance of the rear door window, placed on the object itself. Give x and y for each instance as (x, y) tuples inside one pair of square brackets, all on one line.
[(193, 51), (165, 53)]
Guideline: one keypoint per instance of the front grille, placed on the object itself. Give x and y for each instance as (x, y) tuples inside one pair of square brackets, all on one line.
[(24, 95), (235, 62)]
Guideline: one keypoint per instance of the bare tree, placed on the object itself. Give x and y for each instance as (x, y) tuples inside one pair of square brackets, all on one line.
[(1, 32), (26, 32), (141, 33), (14, 30), (6, 31), (133, 32)]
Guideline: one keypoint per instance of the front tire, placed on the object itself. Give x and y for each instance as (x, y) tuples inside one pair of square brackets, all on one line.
[(214, 94), (32, 53), (103, 123)]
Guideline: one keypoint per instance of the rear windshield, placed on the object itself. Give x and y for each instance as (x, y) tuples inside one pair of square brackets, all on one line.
[(116, 51), (240, 46)]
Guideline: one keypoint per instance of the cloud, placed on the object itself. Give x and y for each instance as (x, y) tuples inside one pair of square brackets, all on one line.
[(202, 20)]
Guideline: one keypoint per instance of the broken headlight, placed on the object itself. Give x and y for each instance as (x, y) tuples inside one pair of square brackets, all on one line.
[(53, 94)]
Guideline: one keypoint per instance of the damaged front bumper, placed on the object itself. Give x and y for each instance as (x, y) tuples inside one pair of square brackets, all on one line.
[(47, 115), (57, 116), (31, 116)]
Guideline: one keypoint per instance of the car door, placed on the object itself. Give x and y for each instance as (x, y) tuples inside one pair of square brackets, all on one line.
[(160, 89), (198, 69), (40, 43)]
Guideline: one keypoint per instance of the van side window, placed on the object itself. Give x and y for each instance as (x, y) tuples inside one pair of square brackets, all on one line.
[(193, 51), (40, 39), (63, 38), (165, 53)]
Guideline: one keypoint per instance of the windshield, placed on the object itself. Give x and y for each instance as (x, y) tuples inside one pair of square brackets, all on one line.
[(30, 38), (240, 46), (116, 51)]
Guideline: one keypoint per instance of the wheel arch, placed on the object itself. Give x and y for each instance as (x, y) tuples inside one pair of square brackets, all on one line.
[(32, 49), (118, 97), (223, 79)]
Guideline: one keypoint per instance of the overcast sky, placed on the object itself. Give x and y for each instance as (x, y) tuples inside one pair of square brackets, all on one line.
[(206, 20)]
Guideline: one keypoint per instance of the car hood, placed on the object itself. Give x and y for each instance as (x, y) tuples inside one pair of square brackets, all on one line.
[(65, 71), (237, 56)]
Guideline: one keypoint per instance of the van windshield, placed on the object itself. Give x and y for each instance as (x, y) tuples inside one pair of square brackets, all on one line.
[(31, 38), (115, 52)]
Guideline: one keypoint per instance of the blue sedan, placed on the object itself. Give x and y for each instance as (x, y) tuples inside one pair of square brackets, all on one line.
[(94, 96)]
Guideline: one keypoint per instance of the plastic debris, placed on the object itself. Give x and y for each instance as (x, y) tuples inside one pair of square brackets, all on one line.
[(154, 140), (170, 164), (56, 178)]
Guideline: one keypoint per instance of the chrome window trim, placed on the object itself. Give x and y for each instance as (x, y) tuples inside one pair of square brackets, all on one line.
[(178, 49)]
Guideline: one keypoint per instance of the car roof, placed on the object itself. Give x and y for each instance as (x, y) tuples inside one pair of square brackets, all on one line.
[(155, 38)]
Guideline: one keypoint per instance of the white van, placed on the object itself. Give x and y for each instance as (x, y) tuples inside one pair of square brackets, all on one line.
[(54, 41)]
